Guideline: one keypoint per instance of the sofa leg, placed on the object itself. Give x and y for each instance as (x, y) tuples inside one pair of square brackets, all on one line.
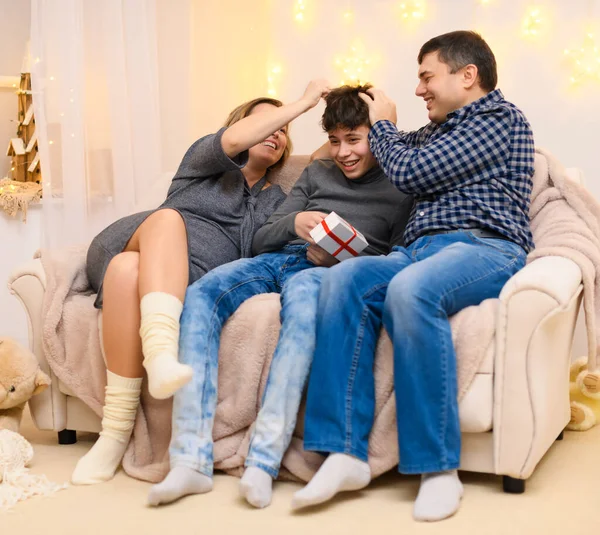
[(561, 436), (67, 436), (513, 485)]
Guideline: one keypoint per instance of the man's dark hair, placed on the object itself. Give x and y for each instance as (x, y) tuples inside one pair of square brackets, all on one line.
[(462, 48), (345, 109)]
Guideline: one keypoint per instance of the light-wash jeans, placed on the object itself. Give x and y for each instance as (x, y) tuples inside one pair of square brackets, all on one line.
[(412, 292), (209, 302)]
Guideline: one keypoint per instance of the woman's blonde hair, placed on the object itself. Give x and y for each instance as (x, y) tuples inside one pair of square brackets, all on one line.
[(245, 109)]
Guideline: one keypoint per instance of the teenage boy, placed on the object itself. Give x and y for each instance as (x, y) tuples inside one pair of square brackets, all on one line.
[(352, 185)]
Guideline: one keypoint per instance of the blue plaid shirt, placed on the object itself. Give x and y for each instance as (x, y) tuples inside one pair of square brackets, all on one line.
[(472, 171)]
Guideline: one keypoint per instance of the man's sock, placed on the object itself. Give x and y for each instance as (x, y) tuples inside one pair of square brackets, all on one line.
[(159, 330), (120, 406), (180, 481), (439, 496), (340, 472), (256, 486)]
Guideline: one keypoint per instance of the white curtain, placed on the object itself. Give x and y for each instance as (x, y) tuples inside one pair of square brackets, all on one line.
[(95, 83)]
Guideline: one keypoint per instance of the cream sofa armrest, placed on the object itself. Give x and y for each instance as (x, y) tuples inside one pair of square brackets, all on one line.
[(556, 276), (534, 334), (32, 267), (27, 283)]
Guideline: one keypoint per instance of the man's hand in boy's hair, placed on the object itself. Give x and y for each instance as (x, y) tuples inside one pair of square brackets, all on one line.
[(305, 222), (380, 106), (320, 257)]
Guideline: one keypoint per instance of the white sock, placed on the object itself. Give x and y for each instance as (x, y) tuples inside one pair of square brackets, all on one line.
[(120, 406), (439, 496), (180, 481), (340, 472), (256, 486), (159, 330)]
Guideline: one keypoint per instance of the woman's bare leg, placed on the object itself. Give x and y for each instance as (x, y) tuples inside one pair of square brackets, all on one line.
[(121, 316), (161, 241), (122, 348), (163, 277)]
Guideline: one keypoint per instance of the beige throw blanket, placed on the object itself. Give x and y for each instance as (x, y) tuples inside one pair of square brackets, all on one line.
[(72, 346)]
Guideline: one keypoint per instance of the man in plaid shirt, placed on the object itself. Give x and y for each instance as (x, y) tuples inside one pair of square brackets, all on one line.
[(470, 171)]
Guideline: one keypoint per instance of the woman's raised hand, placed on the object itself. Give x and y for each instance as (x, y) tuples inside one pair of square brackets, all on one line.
[(315, 90)]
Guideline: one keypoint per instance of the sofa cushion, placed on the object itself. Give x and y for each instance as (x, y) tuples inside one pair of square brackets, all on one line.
[(475, 409)]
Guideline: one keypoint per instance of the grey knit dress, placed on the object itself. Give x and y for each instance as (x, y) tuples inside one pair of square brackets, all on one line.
[(221, 213)]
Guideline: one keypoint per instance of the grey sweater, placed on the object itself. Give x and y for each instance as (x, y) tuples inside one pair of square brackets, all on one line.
[(370, 203)]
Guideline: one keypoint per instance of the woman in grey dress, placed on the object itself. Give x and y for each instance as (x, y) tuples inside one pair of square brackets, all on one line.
[(142, 264)]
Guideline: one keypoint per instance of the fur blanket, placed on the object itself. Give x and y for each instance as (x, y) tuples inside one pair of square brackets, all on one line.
[(564, 222)]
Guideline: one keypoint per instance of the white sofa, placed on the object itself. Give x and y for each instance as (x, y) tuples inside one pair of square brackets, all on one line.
[(516, 407)]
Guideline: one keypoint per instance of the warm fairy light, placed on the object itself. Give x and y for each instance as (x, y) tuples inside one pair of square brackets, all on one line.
[(354, 67), (299, 8), (273, 74), (533, 22), (348, 16), (412, 10), (585, 61)]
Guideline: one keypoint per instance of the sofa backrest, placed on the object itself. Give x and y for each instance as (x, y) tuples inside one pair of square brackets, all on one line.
[(287, 175)]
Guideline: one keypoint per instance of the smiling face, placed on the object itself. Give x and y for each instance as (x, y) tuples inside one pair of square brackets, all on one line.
[(350, 150), (442, 90), (269, 151)]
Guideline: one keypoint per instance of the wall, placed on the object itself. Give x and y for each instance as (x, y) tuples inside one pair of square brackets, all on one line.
[(19, 240), (534, 75), (14, 33)]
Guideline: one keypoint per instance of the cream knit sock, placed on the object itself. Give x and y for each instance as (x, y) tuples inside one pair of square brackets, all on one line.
[(159, 330), (120, 406)]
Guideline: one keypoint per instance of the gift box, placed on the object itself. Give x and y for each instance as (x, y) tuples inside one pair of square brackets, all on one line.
[(338, 237)]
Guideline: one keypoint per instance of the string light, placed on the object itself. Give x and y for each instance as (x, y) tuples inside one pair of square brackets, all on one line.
[(412, 10), (299, 10), (272, 77), (532, 23), (348, 16), (355, 66), (585, 61)]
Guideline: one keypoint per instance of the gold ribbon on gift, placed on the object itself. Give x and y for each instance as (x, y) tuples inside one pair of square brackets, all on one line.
[(17, 196)]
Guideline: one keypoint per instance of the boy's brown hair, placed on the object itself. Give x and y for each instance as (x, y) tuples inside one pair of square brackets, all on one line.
[(345, 109)]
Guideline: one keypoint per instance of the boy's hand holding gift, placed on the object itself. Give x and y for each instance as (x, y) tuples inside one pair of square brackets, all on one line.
[(320, 257), (305, 222), (338, 237)]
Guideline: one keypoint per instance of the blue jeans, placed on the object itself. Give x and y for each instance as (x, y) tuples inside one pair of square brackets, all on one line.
[(412, 292), (209, 302)]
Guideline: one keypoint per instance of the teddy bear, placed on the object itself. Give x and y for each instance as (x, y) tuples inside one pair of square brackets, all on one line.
[(584, 391), (20, 378)]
